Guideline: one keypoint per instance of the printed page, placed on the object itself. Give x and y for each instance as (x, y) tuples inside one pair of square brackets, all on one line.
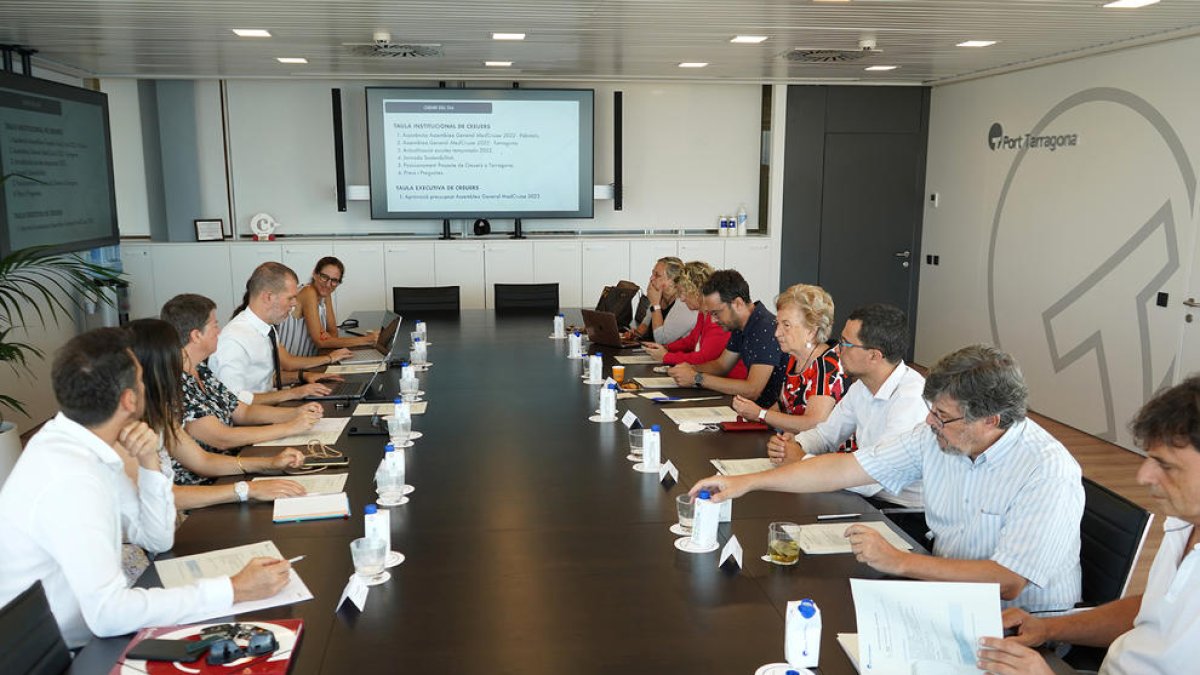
[(827, 538), (326, 430), (636, 360), (316, 484), (368, 409), (703, 415), (741, 467), (656, 382)]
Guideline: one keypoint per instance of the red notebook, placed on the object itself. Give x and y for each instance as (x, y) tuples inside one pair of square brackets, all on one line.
[(287, 633)]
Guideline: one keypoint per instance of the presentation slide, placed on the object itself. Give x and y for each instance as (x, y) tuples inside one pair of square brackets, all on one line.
[(480, 153), (61, 189)]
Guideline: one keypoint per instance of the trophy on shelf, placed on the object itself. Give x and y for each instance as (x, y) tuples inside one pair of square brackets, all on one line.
[(263, 226)]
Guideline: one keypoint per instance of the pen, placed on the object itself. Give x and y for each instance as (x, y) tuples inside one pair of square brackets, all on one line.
[(839, 516), (293, 561)]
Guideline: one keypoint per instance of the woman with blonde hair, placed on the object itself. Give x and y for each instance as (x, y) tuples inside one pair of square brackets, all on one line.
[(815, 379), (707, 339), (667, 319)]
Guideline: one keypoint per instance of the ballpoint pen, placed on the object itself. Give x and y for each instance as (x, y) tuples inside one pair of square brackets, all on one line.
[(839, 516)]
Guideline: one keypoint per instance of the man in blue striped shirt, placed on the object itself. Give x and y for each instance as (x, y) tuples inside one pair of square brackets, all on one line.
[(1003, 498)]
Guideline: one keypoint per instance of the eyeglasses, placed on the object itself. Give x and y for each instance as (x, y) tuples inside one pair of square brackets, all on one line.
[(843, 343), (714, 313), (329, 280), (938, 421)]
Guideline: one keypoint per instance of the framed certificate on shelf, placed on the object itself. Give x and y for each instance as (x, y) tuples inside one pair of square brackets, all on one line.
[(209, 230)]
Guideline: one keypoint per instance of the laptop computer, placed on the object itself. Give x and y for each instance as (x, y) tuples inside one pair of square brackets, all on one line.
[(350, 388), (378, 352), (601, 329)]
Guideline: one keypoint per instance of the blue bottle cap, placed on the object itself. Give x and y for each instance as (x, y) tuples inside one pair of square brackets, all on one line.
[(655, 428), (398, 400), (807, 608), (612, 385), (600, 354), (792, 672), (703, 495), (416, 340), (389, 448), (404, 364), (369, 509), (576, 333), (560, 313)]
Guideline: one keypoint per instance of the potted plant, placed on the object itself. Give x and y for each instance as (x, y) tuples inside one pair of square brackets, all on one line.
[(37, 285)]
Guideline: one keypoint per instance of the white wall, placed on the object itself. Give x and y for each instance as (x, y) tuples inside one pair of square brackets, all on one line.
[(1084, 236)]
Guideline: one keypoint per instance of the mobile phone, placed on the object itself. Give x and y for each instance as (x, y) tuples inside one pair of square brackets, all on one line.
[(326, 461), (165, 650)]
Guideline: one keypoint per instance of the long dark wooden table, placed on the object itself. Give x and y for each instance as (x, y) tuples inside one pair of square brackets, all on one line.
[(532, 545)]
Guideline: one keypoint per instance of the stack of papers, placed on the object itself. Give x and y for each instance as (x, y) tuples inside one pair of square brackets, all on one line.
[(636, 360), (189, 569), (656, 382), (311, 507), (316, 484), (703, 415), (741, 467), (326, 431), (826, 538), (368, 409)]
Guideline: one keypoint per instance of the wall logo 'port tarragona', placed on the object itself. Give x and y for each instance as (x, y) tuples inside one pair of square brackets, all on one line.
[(998, 140)]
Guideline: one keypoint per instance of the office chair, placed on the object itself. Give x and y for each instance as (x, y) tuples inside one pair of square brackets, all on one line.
[(523, 297), (1112, 532), (416, 300), (30, 641)]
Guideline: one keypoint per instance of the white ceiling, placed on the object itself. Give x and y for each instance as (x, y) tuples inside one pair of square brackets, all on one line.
[(575, 39)]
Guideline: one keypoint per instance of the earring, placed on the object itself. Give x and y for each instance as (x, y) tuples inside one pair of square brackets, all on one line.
[(808, 345)]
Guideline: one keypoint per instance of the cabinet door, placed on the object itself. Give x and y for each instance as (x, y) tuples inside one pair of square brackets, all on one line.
[(711, 251), (758, 264), (362, 288), (243, 258), (643, 254), (194, 268), (604, 264), (139, 270), (506, 262), (408, 264), (303, 257), (461, 264), (559, 262)]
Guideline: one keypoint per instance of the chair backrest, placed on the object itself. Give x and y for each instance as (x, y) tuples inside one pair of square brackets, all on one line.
[(415, 300), (1112, 533), (527, 297), (30, 641)]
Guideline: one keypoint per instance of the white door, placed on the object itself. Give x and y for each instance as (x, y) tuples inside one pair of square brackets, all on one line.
[(558, 262), (362, 288), (461, 264), (1188, 312), (506, 262), (604, 264), (139, 271)]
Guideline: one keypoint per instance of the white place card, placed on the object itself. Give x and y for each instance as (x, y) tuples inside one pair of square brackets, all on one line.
[(357, 591), (629, 419), (668, 469), (733, 549)]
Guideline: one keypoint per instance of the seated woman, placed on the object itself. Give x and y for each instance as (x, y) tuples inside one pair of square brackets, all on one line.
[(312, 325), (707, 339), (667, 320), (212, 414), (156, 345), (815, 379)]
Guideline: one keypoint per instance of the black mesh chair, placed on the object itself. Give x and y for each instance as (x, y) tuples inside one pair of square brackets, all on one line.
[(526, 297), (1112, 532), (30, 641), (412, 301)]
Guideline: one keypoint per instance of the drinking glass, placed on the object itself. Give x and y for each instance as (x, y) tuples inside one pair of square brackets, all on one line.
[(781, 547), (618, 373), (408, 388), (399, 429), (635, 441), (369, 556), (685, 506)]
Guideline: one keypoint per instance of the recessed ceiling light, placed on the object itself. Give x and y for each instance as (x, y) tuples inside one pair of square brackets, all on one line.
[(976, 43), (292, 59), (508, 36), (882, 67), (693, 64), (831, 0), (251, 32), (497, 64), (748, 39), (1129, 4)]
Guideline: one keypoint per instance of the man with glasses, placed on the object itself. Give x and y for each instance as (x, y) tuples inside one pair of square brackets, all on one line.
[(1003, 498), (752, 340)]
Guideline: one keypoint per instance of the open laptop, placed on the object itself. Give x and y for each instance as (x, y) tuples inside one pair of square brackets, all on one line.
[(378, 352), (352, 387), (601, 329)]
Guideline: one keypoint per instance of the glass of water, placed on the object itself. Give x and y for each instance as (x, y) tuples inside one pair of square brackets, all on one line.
[(408, 388), (685, 506), (399, 429), (369, 556), (635, 441)]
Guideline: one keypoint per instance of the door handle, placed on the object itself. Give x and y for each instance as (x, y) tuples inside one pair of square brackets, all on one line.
[(1191, 302), (903, 255)]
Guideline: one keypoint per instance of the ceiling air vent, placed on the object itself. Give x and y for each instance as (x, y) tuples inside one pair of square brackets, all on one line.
[(397, 51), (809, 55)]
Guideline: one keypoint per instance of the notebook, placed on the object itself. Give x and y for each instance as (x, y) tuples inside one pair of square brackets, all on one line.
[(311, 507)]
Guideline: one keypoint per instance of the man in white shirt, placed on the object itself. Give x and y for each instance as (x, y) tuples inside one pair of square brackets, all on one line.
[(249, 359), (885, 399), (991, 479), (68, 505), (1157, 632)]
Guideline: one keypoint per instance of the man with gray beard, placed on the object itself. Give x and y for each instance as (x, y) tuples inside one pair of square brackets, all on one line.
[(1003, 498)]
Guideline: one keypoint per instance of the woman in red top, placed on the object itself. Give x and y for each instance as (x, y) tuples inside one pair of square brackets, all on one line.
[(707, 339), (815, 379)]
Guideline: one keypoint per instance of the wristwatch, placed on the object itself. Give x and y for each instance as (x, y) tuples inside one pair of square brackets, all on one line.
[(762, 414), (698, 379), (655, 308), (242, 490)]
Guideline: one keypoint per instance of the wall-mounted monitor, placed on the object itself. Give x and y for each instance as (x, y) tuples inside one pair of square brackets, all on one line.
[(480, 153), (56, 150)]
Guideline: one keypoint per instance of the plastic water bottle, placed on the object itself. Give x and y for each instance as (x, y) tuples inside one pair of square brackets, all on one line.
[(559, 326), (705, 517), (608, 402), (575, 346), (394, 461), (420, 327), (802, 641), (419, 353), (377, 525), (406, 370), (652, 447), (723, 226), (741, 220), (596, 367)]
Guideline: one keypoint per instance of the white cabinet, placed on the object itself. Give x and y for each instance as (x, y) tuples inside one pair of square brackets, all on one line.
[(506, 262), (758, 264), (139, 271), (643, 254), (559, 262), (461, 264), (361, 289), (302, 258), (408, 264), (194, 268), (604, 264), (711, 251), (243, 259)]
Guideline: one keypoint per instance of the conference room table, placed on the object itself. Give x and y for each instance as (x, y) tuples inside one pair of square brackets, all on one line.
[(531, 544)]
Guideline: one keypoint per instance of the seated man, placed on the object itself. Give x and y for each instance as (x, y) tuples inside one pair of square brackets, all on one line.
[(752, 340), (68, 505), (1003, 497), (249, 359), (885, 399), (1154, 632)]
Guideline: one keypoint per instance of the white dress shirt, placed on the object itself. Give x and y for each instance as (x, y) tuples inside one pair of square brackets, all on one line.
[(243, 360), (1018, 504), (896, 408), (64, 511), (1163, 639)]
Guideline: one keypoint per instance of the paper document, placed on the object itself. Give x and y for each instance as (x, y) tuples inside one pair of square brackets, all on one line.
[(368, 409), (326, 430), (316, 484), (657, 382), (354, 368), (826, 538), (703, 415), (741, 467), (178, 572), (849, 643), (923, 627), (311, 507), (636, 360), (651, 394)]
